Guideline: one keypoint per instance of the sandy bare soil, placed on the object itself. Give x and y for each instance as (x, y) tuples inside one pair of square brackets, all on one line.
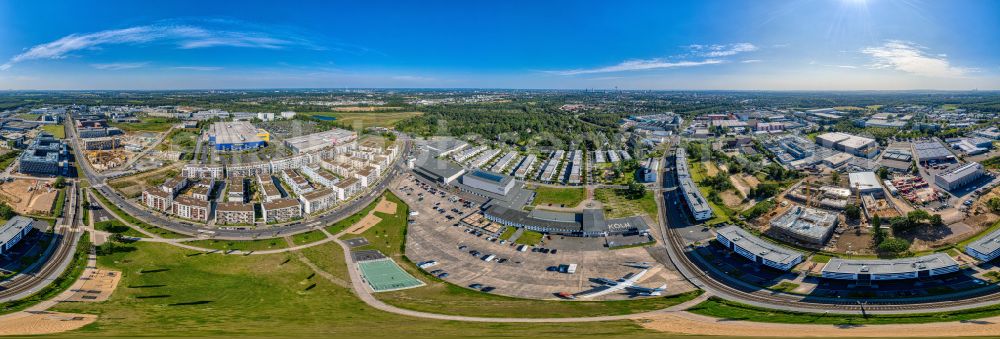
[(364, 224), (385, 206), (43, 322), (710, 169), (693, 324), (28, 196), (98, 285)]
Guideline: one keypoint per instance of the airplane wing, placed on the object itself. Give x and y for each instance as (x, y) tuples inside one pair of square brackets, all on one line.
[(620, 286)]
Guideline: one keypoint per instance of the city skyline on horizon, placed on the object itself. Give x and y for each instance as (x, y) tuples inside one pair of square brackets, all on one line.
[(808, 45)]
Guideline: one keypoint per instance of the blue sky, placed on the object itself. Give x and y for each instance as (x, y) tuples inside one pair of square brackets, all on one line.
[(760, 44)]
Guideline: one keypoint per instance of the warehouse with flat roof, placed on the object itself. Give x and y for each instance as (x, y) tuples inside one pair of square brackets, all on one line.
[(805, 224), (864, 270), (13, 231), (959, 177), (931, 150), (317, 141), (760, 251), (236, 136), (489, 181), (986, 248)]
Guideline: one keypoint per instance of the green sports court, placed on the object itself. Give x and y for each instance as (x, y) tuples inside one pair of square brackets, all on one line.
[(385, 275)]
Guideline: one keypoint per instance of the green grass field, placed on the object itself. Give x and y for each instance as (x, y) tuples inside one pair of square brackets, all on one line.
[(568, 197), (389, 234), (530, 238), (148, 125), (136, 222), (360, 120), (718, 308), (169, 291), (57, 131), (240, 245), (617, 205), (343, 224), (117, 227), (308, 237)]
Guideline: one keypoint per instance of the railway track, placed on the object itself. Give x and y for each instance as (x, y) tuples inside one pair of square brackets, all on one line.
[(68, 237), (26, 282), (767, 297)]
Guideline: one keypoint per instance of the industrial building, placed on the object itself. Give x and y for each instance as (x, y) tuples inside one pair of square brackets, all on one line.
[(317, 141), (438, 170), (805, 224), (959, 177), (986, 248), (104, 143), (13, 231), (649, 170), (589, 223), (236, 136), (757, 250), (692, 196), (865, 183), (931, 151), (856, 145), (489, 181), (867, 270), (46, 156)]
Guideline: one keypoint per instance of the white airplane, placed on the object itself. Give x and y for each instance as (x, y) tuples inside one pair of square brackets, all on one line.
[(627, 281), (647, 291)]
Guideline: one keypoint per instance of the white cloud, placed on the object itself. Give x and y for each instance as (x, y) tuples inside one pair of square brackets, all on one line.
[(715, 51), (751, 61), (198, 68), (117, 66), (412, 78), (181, 35), (911, 58), (638, 65)]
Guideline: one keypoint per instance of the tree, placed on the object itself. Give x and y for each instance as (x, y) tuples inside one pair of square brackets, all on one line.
[(835, 177), (852, 211), (883, 173), (635, 190), (60, 182), (894, 245), (6, 211), (936, 220)]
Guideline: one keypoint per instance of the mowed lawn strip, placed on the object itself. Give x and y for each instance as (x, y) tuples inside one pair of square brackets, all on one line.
[(240, 245), (729, 310), (188, 293)]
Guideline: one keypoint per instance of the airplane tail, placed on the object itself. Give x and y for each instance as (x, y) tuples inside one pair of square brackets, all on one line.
[(662, 288)]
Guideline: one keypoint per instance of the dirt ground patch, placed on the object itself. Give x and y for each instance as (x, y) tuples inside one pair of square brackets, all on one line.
[(710, 169), (740, 185), (28, 196), (693, 324), (385, 206), (98, 286), (132, 186), (25, 323), (730, 199), (364, 224)]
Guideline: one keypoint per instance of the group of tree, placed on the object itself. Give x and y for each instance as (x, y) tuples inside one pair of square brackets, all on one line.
[(718, 182), (884, 243), (764, 190), (913, 219), (758, 209), (635, 190)]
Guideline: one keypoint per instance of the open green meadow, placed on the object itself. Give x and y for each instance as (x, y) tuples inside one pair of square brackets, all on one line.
[(361, 120), (568, 197), (57, 131)]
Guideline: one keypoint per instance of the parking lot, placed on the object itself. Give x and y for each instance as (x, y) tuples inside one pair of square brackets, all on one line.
[(474, 258)]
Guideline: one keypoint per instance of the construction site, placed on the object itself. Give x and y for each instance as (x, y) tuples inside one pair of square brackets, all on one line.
[(29, 196)]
